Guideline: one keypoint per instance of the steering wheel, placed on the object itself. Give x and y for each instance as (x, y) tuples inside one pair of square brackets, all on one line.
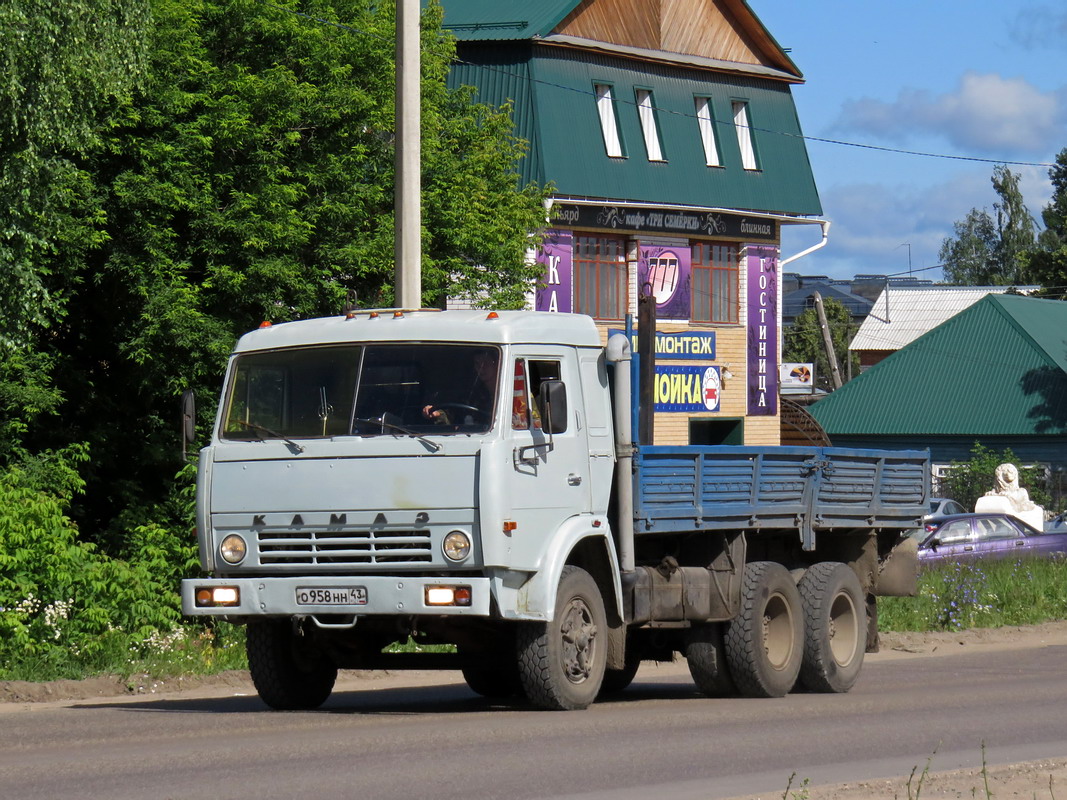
[(479, 413)]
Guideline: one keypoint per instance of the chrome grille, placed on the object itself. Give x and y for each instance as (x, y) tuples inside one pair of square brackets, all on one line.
[(346, 547)]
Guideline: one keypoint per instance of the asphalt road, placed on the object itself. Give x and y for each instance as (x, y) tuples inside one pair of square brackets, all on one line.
[(426, 736)]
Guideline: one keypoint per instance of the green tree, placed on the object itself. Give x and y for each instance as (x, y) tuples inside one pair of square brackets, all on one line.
[(65, 68), (803, 342), (1047, 263), (251, 178), (62, 67), (988, 250)]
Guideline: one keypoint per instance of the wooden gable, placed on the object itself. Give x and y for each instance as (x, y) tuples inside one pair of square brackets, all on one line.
[(724, 30)]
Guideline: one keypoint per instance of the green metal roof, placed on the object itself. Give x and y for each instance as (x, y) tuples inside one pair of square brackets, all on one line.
[(496, 20), (555, 110), (997, 368)]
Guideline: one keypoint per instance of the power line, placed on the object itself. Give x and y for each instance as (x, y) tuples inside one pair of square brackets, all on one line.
[(724, 123)]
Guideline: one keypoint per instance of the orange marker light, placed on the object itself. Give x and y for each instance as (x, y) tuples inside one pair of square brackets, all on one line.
[(265, 324), (510, 525)]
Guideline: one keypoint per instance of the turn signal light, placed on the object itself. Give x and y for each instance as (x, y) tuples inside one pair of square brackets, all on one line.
[(448, 595), (215, 596)]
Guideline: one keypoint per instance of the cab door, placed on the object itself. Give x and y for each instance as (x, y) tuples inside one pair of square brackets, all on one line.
[(548, 480)]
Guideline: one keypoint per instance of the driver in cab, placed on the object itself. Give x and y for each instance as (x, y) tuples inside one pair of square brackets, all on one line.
[(473, 405)]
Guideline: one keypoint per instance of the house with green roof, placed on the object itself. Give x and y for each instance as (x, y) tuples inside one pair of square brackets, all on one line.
[(668, 132), (994, 373)]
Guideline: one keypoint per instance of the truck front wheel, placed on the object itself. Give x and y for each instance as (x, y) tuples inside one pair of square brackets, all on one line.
[(835, 627), (764, 643), (562, 662), (289, 674)]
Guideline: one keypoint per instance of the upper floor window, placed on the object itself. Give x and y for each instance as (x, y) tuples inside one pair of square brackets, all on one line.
[(715, 282), (609, 123), (744, 135), (706, 125), (600, 276), (646, 112)]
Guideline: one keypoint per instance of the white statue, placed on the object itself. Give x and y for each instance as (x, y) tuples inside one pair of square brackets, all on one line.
[(1010, 498)]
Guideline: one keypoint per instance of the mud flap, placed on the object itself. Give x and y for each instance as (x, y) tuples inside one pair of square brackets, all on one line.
[(898, 573)]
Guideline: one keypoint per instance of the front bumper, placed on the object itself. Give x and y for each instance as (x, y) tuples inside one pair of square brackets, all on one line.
[(277, 596)]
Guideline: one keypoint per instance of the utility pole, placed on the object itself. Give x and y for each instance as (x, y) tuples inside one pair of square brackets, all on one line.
[(827, 342), (408, 210)]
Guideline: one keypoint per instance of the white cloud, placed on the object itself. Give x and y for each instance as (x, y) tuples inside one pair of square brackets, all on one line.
[(986, 114)]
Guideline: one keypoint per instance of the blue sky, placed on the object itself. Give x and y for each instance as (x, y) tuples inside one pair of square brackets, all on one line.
[(951, 77)]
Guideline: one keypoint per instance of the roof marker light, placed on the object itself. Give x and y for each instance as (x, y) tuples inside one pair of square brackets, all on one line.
[(398, 314), (265, 324), (492, 315), (373, 315)]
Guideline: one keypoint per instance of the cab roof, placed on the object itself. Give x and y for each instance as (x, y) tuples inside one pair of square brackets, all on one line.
[(427, 325)]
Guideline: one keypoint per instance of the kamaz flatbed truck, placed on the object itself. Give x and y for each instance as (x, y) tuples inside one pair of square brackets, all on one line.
[(469, 478)]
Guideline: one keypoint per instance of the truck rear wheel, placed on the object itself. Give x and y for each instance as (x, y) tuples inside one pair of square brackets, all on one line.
[(764, 643), (562, 662), (287, 675), (835, 627), (705, 655)]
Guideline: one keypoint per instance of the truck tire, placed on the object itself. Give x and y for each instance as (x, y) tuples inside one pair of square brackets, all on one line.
[(705, 655), (562, 662), (287, 677), (835, 627), (764, 643)]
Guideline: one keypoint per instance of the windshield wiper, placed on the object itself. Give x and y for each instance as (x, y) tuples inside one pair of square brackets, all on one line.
[(262, 429), (407, 431)]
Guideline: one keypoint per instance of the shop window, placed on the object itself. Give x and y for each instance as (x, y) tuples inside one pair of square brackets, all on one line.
[(646, 112), (715, 282), (744, 135), (600, 276), (609, 123), (706, 126)]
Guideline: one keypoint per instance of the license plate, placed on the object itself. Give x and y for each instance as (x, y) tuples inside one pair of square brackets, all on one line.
[(331, 596)]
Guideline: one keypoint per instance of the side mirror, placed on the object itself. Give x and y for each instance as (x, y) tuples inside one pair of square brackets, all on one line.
[(188, 422), (552, 397)]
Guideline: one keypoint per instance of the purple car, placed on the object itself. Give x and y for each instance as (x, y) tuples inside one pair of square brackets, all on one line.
[(967, 537)]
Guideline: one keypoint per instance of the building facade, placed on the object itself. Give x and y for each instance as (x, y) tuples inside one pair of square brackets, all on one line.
[(668, 132)]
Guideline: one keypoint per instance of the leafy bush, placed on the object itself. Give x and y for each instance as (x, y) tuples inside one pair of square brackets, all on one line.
[(62, 602)]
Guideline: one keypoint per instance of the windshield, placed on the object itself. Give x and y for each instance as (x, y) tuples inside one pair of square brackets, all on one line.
[(340, 390)]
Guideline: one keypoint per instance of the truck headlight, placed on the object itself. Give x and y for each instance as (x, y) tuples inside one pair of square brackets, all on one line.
[(233, 549), (456, 546)]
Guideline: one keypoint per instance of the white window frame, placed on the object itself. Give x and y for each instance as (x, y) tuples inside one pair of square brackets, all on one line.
[(744, 135), (609, 123), (706, 125), (646, 113)]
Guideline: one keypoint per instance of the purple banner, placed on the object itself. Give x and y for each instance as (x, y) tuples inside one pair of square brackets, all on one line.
[(762, 272), (665, 271), (554, 288)]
